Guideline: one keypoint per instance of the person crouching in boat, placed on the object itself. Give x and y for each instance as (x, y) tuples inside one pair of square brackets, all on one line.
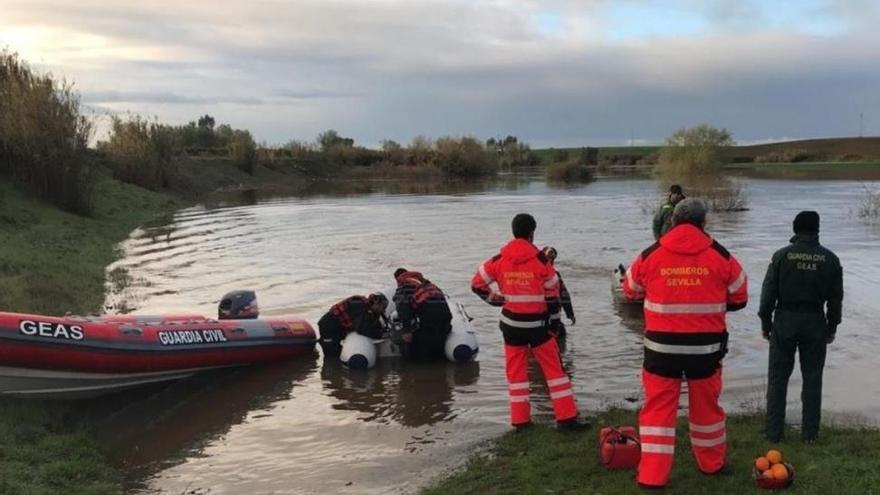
[(564, 298), (360, 314), (424, 316)]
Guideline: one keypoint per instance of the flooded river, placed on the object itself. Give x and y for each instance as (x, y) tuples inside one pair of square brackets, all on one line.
[(311, 427)]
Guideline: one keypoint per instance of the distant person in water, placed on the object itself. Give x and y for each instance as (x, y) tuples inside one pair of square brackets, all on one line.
[(564, 298), (663, 218), (424, 316), (364, 315)]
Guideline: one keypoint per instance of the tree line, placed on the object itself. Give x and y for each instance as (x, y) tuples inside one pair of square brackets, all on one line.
[(45, 136)]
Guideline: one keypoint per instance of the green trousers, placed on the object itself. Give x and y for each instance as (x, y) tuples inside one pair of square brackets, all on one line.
[(806, 334)]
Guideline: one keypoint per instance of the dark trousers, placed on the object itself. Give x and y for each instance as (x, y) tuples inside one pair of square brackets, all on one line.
[(806, 334), (429, 340), (331, 337)]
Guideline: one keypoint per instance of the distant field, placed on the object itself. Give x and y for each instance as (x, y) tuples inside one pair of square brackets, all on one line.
[(546, 154), (829, 148), (825, 150)]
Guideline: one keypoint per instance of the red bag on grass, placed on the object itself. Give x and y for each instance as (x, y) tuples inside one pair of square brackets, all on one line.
[(619, 447)]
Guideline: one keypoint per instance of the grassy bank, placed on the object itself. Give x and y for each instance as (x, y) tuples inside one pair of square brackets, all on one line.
[(542, 460), (52, 262)]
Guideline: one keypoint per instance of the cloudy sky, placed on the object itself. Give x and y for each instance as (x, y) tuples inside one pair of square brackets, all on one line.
[(554, 72)]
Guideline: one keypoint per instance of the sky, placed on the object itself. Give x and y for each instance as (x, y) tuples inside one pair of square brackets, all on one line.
[(552, 72)]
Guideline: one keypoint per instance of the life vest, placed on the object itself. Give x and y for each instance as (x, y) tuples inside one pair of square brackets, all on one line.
[(424, 290), (340, 311)]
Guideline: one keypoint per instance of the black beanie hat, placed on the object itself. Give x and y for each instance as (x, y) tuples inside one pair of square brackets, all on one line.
[(806, 222), (399, 271), (676, 189)]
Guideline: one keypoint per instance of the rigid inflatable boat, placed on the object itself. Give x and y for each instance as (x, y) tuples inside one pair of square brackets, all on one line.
[(359, 351), (73, 356), (617, 276)]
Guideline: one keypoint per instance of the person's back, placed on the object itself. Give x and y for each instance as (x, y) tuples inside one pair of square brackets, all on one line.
[(529, 294), (688, 282), (354, 314), (424, 315), (801, 280)]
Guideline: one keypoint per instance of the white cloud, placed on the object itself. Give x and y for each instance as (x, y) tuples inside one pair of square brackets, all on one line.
[(396, 68)]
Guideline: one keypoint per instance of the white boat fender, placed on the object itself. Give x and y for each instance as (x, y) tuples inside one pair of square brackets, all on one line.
[(358, 351), (461, 344)]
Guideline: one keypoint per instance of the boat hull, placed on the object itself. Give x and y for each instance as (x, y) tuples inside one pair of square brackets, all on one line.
[(46, 356)]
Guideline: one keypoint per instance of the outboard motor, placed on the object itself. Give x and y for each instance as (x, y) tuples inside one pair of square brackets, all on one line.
[(238, 305)]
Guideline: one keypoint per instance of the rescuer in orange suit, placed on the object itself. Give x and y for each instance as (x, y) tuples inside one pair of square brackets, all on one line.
[(529, 294), (689, 282)]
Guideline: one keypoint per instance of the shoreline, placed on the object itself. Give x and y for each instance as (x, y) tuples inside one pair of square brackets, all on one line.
[(542, 460)]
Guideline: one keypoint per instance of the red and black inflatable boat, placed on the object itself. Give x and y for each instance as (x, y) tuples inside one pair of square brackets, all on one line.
[(43, 356)]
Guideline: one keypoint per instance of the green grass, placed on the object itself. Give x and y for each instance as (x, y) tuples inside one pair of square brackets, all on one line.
[(42, 452), (52, 262), (541, 460)]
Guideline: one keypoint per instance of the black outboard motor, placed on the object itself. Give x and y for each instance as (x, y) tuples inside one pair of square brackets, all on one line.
[(238, 305)]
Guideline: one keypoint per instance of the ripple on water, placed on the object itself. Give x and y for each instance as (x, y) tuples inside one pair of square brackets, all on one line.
[(315, 428)]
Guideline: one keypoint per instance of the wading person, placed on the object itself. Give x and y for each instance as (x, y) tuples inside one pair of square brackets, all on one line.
[(801, 280), (424, 316), (564, 297), (688, 282), (360, 314), (529, 294), (663, 217)]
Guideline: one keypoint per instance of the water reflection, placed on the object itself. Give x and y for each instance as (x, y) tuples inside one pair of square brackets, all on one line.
[(353, 188), (411, 394), (630, 316), (153, 430)]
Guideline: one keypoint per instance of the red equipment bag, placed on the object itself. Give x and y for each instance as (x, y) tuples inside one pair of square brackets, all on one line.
[(619, 447)]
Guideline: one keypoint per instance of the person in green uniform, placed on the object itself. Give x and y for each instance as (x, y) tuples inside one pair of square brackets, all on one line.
[(663, 218), (800, 310)]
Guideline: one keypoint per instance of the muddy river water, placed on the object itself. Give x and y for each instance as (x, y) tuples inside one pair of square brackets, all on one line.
[(310, 427)]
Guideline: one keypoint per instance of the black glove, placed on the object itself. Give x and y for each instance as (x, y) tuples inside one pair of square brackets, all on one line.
[(766, 328), (831, 334)]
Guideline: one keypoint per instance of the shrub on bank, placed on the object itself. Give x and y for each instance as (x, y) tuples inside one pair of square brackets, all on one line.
[(243, 150), (464, 157), (140, 151), (870, 207), (694, 157), (44, 136), (568, 172), (693, 151)]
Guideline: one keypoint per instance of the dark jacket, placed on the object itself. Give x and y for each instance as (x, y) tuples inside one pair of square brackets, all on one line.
[(352, 314), (803, 276), (565, 298), (663, 219), (420, 303)]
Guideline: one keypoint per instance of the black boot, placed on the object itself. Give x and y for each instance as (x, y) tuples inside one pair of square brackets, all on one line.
[(572, 425)]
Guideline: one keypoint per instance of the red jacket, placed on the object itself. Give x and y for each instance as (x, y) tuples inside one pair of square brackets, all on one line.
[(689, 282), (528, 284)]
